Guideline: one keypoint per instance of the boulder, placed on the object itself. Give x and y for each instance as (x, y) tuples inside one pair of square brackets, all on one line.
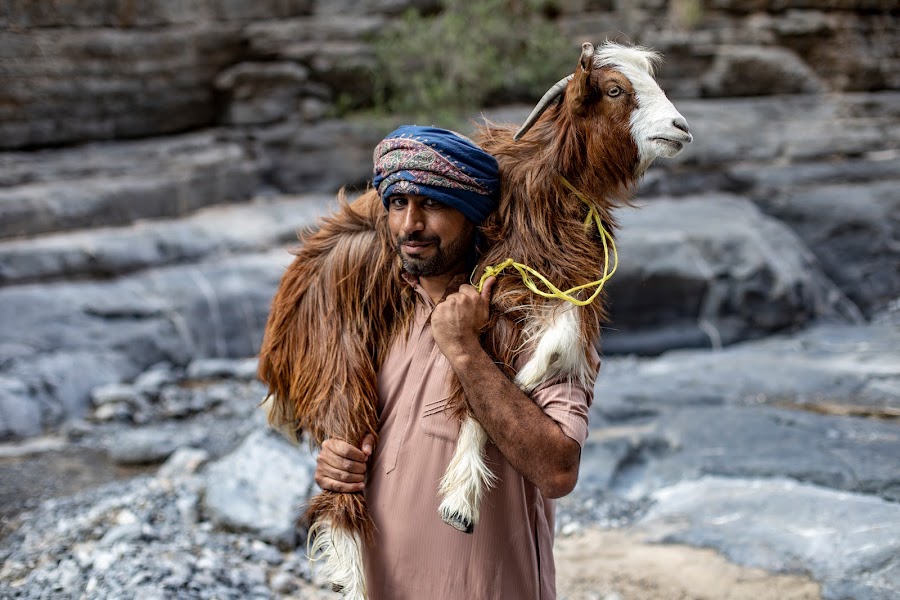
[(642, 454), (118, 183), (710, 271), (848, 542), (260, 487), (129, 82), (802, 128), (126, 14), (854, 231), (256, 93), (336, 48), (62, 340), (322, 156), (117, 251), (759, 71), (826, 366)]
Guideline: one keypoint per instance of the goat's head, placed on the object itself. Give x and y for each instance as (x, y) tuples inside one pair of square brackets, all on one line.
[(613, 94)]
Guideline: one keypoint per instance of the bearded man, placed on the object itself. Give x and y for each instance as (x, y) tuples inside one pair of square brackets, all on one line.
[(438, 187)]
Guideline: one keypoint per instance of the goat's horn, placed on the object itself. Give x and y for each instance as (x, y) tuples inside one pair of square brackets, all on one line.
[(551, 95)]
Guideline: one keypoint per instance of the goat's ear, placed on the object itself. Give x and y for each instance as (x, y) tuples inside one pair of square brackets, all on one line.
[(581, 84)]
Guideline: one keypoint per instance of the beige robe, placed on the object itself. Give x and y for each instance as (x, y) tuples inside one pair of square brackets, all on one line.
[(415, 556)]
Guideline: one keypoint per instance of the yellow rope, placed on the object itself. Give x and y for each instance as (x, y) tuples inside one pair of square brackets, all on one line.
[(527, 272)]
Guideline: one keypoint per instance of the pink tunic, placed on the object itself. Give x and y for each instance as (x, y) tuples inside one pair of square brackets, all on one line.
[(416, 556)]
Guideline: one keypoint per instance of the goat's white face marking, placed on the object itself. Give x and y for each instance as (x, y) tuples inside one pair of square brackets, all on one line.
[(657, 127)]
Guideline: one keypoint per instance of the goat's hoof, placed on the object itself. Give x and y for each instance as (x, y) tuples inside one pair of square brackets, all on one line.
[(457, 521)]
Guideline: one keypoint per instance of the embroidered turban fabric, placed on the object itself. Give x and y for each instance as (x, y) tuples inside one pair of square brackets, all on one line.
[(438, 164)]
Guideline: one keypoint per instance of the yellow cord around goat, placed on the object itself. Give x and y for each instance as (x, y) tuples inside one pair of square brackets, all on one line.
[(527, 272)]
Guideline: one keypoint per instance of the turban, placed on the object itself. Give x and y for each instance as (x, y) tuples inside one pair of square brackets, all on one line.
[(439, 164)]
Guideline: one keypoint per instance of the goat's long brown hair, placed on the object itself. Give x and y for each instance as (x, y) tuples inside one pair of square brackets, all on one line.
[(337, 308)]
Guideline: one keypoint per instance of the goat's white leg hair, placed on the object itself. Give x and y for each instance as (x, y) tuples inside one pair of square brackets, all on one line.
[(340, 553), (558, 351), (466, 478)]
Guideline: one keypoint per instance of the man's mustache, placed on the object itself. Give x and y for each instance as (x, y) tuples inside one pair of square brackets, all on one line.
[(417, 237)]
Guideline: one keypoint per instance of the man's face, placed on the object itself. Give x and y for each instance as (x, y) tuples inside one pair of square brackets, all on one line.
[(431, 238)]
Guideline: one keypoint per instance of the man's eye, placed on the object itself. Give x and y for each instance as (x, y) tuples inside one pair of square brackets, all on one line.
[(431, 203)]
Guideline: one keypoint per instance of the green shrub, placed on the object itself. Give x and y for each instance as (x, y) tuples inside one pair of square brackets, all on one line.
[(468, 56)]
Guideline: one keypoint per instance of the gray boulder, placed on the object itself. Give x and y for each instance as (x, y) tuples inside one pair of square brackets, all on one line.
[(322, 156), (256, 93), (711, 271), (62, 340), (848, 542), (260, 488), (665, 446), (335, 48), (118, 183), (758, 71), (138, 82), (116, 251), (854, 231), (826, 366), (125, 14)]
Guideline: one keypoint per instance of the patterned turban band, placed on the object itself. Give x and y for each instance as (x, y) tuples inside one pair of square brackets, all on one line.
[(438, 164)]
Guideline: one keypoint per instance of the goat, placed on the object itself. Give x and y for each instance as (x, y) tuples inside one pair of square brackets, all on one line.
[(341, 303)]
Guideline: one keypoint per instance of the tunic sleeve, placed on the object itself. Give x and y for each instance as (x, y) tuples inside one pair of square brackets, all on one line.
[(566, 403)]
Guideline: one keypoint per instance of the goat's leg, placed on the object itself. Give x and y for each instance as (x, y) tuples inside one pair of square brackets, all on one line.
[(338, 525), (340, 553), (466, 478)]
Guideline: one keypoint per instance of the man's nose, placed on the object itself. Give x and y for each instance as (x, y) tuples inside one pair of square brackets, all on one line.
[(413, 219)]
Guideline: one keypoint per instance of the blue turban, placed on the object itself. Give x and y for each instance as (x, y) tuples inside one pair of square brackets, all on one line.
[(438, 164)]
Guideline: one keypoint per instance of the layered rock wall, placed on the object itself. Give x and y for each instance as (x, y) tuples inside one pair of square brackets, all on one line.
[(72, 72)]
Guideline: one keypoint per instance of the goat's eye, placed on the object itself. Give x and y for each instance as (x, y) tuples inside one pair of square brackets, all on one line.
[(614, 91)]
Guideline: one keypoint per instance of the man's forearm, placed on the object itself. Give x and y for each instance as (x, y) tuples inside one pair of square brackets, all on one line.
[(531, 441)]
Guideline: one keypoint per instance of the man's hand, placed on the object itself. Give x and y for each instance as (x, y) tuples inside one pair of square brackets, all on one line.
[(341, 467), (456, 323)]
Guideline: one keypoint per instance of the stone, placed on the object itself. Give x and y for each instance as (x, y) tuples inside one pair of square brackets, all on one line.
[(142, 446), (183, 462), (711, 271), (19, 416), (846, 541), (827, 365), (261, 92), (152, 179), (131, 83), (240, 495), (65, 339), (854, 231), (124, 14), (117, 251), (749, 442), (218, 368), (323, 156), (336, 48), (114, 393)]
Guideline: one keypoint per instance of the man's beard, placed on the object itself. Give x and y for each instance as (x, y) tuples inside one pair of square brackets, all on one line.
[(444, 259)]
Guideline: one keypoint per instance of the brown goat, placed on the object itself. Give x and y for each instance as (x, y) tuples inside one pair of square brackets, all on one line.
[(341, 303)]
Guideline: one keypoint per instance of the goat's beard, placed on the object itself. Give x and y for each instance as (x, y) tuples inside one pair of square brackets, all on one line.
[(452, 257)]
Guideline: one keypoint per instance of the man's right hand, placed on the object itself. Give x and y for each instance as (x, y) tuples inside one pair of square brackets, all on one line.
[(341, 467)]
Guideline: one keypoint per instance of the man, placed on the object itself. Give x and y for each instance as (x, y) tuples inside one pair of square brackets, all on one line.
[(437, 188)]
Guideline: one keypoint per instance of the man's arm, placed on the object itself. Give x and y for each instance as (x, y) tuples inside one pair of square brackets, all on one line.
[(531, 441)]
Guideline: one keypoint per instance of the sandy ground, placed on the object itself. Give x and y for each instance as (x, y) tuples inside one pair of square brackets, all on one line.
[(616, 565)]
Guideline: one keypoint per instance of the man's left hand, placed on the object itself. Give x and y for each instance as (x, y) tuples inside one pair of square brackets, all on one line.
[(456, 323)]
